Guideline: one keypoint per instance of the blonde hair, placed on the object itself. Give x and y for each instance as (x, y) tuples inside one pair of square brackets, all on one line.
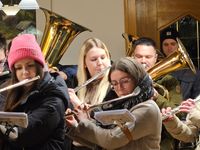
[(83, 74)]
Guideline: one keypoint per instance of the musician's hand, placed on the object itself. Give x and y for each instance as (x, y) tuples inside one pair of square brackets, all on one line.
[(63, 75), (73, 98), (167, 112), (81, 112), (53, 69), (187, 105), (70, 119)]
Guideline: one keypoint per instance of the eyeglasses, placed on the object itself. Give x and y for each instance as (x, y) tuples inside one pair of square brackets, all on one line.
[(122, 82)]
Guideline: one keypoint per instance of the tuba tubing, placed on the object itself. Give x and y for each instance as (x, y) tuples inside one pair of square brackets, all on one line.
[(178, 60), (58, 34)]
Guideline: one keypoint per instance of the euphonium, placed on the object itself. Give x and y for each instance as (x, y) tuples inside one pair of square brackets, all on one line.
[(58, 34), (130, 43), (177, 60)]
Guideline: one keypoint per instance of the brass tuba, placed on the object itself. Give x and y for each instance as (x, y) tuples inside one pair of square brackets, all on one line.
[(130, 39), (177, 60), (58, 34), (130, 42)]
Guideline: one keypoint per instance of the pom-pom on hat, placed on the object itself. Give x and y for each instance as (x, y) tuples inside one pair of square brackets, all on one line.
[(169, 33), (25, 46)]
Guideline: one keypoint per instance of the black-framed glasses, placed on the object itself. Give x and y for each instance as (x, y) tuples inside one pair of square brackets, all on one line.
[(122, 82)]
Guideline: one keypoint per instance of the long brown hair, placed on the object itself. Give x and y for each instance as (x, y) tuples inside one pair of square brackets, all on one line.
[(16, 96)]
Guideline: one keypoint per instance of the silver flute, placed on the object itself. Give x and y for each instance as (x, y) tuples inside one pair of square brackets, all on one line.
[(109, 103), (91, 79), (4, 73), (19, 84), (176, 109)]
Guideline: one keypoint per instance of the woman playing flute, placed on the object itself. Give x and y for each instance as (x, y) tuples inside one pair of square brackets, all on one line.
[(94, 58), (126, 75), (44, 100)]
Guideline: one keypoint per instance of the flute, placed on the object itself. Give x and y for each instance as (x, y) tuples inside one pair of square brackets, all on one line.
[(176, 109), (4, 73), (19, 84), (110, 103), (91, 79)]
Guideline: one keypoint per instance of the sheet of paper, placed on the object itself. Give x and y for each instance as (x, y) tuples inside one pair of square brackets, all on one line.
[(14, 118), (112, 116)]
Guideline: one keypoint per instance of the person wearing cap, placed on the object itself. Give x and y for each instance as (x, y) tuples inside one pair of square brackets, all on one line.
[(146, 53), (43, 100), (188, 80), (126, 76)]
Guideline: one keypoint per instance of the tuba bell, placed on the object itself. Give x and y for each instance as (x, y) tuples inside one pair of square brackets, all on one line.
[(130, 42), (130, 39), (58, 34), (177, 60)]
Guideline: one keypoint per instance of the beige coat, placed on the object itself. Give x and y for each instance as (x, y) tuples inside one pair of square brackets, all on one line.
[(186, 131), (146, 131)]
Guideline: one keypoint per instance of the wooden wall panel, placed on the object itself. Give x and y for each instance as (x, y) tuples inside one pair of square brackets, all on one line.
[(130, 17), (172, 11), (148, 17)]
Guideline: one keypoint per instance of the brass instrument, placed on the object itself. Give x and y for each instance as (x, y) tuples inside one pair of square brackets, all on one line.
[(177, 60), (176, 109), (19, 84), (58, 34), (130, 43)]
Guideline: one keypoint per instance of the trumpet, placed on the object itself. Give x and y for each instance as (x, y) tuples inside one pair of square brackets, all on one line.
[(91, 79), (19, 84), (176, 109)]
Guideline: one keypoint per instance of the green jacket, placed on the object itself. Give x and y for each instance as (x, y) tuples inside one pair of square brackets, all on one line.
[(174, 99), (173, 87)]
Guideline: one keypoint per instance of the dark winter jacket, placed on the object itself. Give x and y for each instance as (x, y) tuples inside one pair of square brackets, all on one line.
[(45, 108)]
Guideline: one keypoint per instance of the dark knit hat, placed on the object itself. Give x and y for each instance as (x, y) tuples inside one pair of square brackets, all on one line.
[(25, 46), (168, 33)]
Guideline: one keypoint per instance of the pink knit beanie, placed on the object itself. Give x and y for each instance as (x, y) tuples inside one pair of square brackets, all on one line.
[(25, 46)]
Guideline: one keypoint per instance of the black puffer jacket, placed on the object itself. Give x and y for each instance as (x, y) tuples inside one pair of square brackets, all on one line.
[(45, 108)]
